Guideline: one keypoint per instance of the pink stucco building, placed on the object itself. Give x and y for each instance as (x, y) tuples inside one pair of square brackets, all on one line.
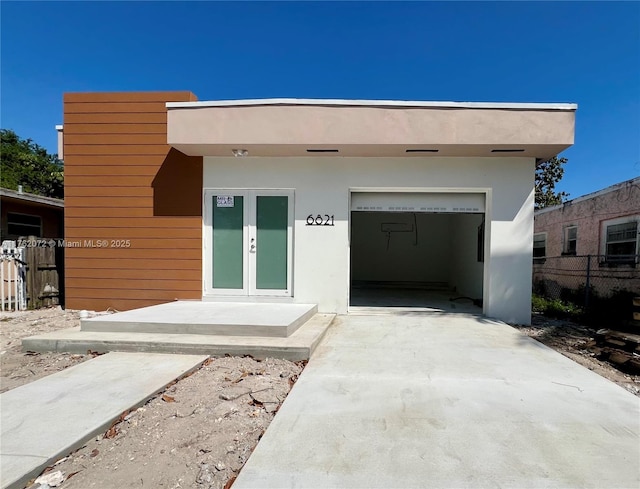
[(599, 231)]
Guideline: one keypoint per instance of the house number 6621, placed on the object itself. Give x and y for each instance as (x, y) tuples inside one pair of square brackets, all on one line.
[(320, 220)]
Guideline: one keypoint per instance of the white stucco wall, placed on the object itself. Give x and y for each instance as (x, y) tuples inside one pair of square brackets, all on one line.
[(466, 271), (322, 186)]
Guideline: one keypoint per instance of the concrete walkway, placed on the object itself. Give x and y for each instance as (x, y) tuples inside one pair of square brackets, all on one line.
[(49, 418), (446, 401)]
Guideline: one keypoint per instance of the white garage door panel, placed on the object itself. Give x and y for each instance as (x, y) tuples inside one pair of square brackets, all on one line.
[(417, 202)]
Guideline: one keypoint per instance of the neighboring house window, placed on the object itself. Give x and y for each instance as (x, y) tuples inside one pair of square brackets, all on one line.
[(539, 245), (570, 240), (621, 240), (24, 225)]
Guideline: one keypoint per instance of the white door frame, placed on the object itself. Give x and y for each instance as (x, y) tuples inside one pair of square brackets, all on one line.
[(249, 232), (207, 258), (488, 216), (253, 194)]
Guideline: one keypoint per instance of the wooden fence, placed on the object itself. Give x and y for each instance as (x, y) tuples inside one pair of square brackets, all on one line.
[(38, 270)]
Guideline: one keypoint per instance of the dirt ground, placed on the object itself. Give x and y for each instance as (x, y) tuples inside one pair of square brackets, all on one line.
[(571, 339), (18, 367), (197, 434), (200, 431)]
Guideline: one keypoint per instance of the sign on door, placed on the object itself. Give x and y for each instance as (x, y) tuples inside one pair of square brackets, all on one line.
[(224, 201)]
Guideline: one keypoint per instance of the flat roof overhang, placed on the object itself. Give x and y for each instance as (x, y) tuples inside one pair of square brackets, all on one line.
[(372, 128)]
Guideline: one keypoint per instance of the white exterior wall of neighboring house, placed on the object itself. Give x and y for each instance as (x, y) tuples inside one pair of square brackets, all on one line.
[(323, 185)]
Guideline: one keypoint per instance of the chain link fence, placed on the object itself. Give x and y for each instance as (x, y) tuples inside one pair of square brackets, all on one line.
[(602, 287)]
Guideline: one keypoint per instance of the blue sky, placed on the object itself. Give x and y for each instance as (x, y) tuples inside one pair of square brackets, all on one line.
[(582, 52)]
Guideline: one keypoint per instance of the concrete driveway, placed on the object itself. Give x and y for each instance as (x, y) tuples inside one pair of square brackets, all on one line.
[(446, 401)]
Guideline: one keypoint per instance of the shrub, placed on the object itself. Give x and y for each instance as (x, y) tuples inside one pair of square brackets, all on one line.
[(538, 304), (609, 311), (555, 308)]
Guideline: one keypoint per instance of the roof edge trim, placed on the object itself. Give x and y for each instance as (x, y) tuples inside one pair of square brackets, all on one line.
[(612, 188), (38, 199), (373, 103)]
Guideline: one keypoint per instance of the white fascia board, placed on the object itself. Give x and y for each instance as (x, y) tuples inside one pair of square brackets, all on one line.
[(373, 103), (5, 192)]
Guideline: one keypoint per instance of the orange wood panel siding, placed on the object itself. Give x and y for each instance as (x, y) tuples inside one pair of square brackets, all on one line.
[(133, 205)]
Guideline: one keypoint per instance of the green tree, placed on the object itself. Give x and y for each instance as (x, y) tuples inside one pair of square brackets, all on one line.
[(25, 163), (548, 173)]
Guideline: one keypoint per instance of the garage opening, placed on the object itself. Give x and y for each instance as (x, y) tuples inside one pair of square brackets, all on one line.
[(422, 251)]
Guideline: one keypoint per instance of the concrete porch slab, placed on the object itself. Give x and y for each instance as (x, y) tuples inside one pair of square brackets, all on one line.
[(298, 346), (207, 318), (49, 418)]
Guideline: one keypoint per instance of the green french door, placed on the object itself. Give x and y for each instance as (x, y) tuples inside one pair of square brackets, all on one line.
[(248, 242)]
